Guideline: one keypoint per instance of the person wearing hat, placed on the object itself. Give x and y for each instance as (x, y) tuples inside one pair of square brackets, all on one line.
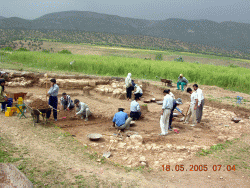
[(66, 102), (135, 111), (175, 104), (3, 96), (165, 114), (121, 120), (82, 109), (53, 100), (181, 81), (138, 93)]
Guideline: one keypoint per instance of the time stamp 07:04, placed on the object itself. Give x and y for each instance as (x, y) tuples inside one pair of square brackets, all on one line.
[(198, 168)]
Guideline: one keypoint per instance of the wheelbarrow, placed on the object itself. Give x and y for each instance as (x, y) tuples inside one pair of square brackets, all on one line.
[(35, 113)]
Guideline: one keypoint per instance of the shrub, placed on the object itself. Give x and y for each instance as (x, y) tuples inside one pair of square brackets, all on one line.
[(45, 51), (65, 52), (179, 59), (22, 49), (7, 49), (158, 57)]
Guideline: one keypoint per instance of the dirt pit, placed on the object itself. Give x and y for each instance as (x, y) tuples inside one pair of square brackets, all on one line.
[(142, 145)]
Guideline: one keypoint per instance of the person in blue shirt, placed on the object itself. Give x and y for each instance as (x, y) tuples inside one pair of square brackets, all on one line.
[(121, 120), (53, 100), (175, 104)]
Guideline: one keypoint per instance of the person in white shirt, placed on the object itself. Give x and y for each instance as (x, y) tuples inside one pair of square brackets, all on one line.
[(129, 87), (138, 93), (165, 113), (192, 107), (82, 109), (135, 111), (201, 103)]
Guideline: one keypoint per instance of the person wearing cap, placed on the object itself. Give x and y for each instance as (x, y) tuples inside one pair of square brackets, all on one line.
[(135, 111), (66, 102), (121, 120), (181, 81), (192, 107), (165, 114), (129, 86), (53, 100), (138, 93), (3, 96), (201, 102), (175, 104), (82, 109)]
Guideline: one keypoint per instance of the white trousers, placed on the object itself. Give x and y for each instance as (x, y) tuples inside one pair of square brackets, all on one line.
[(164, 121), (191, 113), (85, 113)]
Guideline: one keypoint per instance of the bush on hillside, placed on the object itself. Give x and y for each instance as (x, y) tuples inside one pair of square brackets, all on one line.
[(7, 49), (158, 57), (65, 52), (22, 49), (179, 59), (45, 51)]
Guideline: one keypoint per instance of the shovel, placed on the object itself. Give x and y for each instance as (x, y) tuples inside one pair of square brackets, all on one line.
[(108, 153)]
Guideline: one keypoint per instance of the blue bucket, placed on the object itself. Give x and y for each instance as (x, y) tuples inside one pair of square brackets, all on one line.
[(10, 102)]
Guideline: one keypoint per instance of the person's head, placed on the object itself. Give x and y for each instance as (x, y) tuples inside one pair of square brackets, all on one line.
[(166, 91), (137, 98), (195, 86), (129, 75), (181, 75), (120, 109), (189, 90), (64, 95), (2, 82), (53, 81), (178, 101), (76, 102)]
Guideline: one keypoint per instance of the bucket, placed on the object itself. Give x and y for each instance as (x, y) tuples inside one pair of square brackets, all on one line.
[(10, 102)]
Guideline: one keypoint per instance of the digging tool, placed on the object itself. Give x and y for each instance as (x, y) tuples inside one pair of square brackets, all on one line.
[(54, 108), (186, 113), (108, 153), (46, 75)]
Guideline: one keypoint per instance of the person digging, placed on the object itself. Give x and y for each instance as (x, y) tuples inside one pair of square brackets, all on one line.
[(135, 111), (192, 107), (66, 102), (121, 120), (82, 109), (175, 104)]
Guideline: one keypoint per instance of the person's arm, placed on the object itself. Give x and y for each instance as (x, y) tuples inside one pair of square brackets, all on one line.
[(69, 102), (114, 119), (178, 79), (1, 93), (163, 105), (185, 80), (138, 108), (196, 104), (199, 97)]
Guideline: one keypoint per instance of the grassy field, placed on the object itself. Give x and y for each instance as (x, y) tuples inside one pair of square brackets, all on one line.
[(234, 78)]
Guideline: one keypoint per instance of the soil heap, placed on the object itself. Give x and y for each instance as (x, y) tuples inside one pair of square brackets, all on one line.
[(39, 104)]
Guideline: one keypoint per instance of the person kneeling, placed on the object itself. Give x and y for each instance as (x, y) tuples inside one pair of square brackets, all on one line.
[(66, 102), (135, 111), (82, 109), (121, 120)]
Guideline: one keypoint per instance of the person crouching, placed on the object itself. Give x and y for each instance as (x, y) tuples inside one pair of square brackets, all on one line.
[(66, 102), (82, 109), (121, 120), (135, 111)]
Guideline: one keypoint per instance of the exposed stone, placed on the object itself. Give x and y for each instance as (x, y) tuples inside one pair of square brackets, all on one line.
[(121, 145), (143, 163), (142, 159), (136, 138)]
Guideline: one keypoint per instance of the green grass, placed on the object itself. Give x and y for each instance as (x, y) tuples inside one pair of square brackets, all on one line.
[(237, 79)]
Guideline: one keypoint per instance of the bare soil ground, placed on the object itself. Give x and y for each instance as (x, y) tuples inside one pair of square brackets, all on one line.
[(146, 149)]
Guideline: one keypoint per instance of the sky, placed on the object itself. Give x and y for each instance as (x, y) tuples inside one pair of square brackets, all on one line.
[(216, 10)]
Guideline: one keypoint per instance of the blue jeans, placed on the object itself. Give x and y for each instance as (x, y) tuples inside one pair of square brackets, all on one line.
[(53, 101), (4, 105)]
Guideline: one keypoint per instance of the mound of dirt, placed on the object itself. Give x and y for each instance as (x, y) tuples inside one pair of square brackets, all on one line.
[(39, 104)]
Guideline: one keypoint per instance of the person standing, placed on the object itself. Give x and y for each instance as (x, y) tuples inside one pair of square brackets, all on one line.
[(201, 102), (53, 100), (175, 104), (165, 114), (129, 87), (82, 109), (121, 120), (192, 107), (3, 96), (66, 102), (135, 111), (181, 81), (138, 93)]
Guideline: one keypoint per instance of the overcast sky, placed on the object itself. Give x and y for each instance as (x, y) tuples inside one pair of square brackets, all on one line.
[(217, 10)]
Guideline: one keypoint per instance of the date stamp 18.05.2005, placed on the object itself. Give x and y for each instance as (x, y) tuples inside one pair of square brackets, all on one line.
[(199, 168)]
